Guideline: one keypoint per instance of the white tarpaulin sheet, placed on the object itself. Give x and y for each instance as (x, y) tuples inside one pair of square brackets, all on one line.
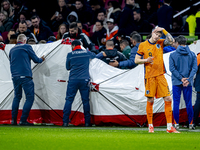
[(120, 91)]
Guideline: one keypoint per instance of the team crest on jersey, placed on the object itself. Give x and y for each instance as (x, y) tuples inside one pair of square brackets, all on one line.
[(147, 92), (158, 46)]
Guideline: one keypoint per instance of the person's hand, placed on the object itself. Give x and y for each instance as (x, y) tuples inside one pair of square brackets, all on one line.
[(185, 82), (150, 60), (114, 64), (158, 29), (43, 58)]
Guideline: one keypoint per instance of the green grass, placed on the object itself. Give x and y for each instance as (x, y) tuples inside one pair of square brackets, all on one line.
[(95, 138)]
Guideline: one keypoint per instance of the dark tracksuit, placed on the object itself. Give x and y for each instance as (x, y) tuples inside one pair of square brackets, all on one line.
[(78, 63), (20, 67), (197, 88), (182, 64)]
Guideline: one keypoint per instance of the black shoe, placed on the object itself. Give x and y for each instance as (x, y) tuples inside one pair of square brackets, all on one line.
[(14, 122), (65, 125), (88, 125), (25, 123)]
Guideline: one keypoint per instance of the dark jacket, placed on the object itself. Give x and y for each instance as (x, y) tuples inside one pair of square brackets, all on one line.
[(182, 64), (113, 54), (7, 25), (98, 35), (131, 62), (116, 15), (20, 60), (44, 32), (28, 34), (126, 23), (82, 13), (78, 63), (83, 38), (142, 26), (165, 16)]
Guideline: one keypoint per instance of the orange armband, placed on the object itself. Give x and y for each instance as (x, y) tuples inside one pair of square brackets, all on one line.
[(165, 32)]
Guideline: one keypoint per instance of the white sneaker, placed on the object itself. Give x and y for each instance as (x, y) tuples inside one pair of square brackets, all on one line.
[(191, 127), (176, 126)]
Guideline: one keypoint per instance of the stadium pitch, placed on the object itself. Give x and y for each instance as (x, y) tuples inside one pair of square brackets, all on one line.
[(96, 138)]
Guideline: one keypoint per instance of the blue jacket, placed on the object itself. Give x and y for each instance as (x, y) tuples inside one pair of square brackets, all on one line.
[(130, 63), (78, 63), (182, 64), (20, 60)]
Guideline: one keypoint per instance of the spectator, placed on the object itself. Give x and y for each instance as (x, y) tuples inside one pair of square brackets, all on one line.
[(136, 40), (125, 48), (13, 39), (31, 41), (51, 39), (126, 23), (75, 33), (111, 31), (114, 11), (148, 11), (82, 11), (112, 54), (11, 32), (140, 24), (40, 31), (131, 35), (101, 16), (80, 26), (23, 29), (6, 6), (18, 8), (72, 17), (42, 42), (197, 89), (22, 17), (62, 29), (165, 15), (5, 22), (176, 25), (96, 8), (60, 16), (183, 66), (99, 34)]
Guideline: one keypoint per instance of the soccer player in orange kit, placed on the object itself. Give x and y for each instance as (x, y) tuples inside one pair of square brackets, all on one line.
[(155, 83)]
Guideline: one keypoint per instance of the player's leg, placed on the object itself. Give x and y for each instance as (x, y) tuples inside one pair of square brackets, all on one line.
[(187, 94), (149, 110), (150, 88), (176, 101), (163, 91)]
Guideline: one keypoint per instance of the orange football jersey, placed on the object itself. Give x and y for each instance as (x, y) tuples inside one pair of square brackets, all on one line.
[(155, 50)]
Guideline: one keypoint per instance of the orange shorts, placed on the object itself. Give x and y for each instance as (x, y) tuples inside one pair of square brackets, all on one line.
[(156, 87)]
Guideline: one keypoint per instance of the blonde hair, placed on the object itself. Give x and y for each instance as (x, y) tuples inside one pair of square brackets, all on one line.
[(10, 9), (21, 38)]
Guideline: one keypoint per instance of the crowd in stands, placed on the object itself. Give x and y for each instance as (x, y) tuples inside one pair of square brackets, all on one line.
[(99, 20)]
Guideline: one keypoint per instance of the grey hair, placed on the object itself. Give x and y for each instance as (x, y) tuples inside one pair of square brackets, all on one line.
[(21, 38)]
